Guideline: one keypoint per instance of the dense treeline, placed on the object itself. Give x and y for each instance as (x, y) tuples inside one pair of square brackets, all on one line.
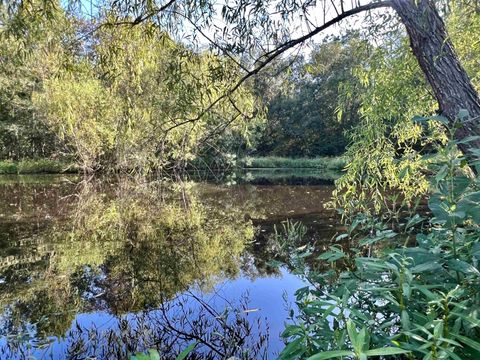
[(133, 98), (303, 116)]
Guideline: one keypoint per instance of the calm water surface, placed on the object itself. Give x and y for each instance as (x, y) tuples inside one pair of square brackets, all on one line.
[(102, 269)]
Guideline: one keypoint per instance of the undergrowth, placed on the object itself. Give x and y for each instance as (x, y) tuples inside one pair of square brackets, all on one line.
[(408, 293)]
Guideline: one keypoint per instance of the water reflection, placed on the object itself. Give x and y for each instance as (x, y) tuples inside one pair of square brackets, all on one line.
[(170, 328), (118, 251)]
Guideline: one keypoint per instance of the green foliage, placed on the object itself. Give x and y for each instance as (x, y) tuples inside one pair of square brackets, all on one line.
[(328, 163), (165, 90), (82, 113), (150, 355), (154, 354), (360, 347), (121, 97), (386, 152), (303, 117), (464, 25), (8, 167), (185, 352), (145, 104), (25, 61), (44, 166), (418, 290)]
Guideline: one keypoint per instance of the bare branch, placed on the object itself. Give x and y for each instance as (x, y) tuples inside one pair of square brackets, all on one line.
[(136, 21)]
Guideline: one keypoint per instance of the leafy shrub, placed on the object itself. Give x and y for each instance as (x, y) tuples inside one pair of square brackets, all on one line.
[(417, 295), (336, 163)]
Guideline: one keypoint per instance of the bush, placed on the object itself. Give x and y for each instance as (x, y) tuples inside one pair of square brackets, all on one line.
[(336, 163), (418, 294)]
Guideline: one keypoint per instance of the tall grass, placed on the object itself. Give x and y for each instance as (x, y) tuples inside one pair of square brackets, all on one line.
[(330, 163)]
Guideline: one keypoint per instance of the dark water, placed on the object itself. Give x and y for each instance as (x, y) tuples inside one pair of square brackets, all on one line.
[(103, 269)]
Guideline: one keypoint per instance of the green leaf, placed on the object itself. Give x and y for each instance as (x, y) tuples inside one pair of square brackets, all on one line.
[(427, 266), (463, 267), (185, 352), (463, 114), (419, 119), (333, 255), (293, 349), (359, 314), (406, 290), (474, 197), (354, 225), (291, 330), (386, 351), (154, 355), (352, 333), (341, 237), (151, 355), (440, 119), (467, 140), (438, 207), (469, 342), (414, 221), (452, 354), (357, 338), (405, 320), (331, 354), (476, 250)]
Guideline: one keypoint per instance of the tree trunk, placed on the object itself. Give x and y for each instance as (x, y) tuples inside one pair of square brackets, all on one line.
[(438, 60)]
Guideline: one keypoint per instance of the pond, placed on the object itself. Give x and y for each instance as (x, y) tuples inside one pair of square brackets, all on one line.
[(104, 268)]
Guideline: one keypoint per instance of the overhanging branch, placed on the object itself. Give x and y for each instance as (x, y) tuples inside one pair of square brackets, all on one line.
[(268, 57)]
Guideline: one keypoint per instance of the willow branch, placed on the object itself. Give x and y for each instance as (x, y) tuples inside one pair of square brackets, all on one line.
[(272, 55)]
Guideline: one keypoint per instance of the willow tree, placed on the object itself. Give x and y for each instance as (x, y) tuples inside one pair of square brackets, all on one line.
[(243, 27), (236, 28)]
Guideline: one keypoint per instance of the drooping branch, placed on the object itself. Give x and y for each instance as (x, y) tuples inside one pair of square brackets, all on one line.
[(268, 57), (137, 21)]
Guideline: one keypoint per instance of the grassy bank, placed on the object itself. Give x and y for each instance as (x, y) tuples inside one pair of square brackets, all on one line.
[(47, 166), (270, 162), (41, 166)]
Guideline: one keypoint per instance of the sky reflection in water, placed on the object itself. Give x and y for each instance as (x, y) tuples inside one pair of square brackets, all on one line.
[(79, 260)]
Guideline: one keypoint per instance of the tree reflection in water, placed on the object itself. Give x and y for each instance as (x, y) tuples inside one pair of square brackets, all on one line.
[(127, 250)]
